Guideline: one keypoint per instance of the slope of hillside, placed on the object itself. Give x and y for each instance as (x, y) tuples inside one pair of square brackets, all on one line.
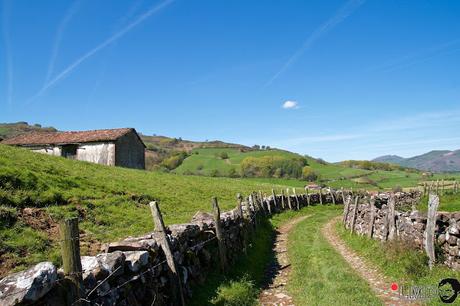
[(8, 130), (434, 161), (391, 159), (37, 190), (209, 161)]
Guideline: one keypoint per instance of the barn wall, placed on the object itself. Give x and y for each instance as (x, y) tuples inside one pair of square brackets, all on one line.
[(55, 151), (99, 153), (130, 152)]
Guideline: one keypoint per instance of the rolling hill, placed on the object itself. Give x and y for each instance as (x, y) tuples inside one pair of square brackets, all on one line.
[(433, 161)]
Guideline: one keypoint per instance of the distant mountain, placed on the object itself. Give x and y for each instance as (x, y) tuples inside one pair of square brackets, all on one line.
[(434, 161), (391, 159)]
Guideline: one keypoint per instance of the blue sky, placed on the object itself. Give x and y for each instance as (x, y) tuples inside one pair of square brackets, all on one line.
[(357, 79)]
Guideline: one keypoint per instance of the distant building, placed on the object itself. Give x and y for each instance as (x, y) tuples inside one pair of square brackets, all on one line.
[(115, 147)]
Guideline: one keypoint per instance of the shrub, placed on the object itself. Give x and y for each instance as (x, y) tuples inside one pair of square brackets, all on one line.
[(232, 172), (223, 155), (214, 173), (309, 174), (397, 188), (267, 166), (174, 161)]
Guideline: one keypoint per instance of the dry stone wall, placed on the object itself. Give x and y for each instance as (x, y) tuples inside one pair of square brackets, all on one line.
[(134, 271), (409, 226)]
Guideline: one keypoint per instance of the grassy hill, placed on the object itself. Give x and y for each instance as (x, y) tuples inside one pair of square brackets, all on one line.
[(37, 190), (206, 161), (8, 130)]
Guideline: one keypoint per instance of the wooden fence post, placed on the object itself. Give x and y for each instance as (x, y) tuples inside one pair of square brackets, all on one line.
[(320, 193), (332, 196), (391, 217), (283, 205), (289, 199), (71, 261), (252, 205), (274, 199), (456, 186), (355, 211), (429, 233), (308, 196), (424, 188), (243, 223), (266, 199), (346, 209), (437, 187), (262, 203), (177, 295), (372, 217), (296, 199), (442, 187), (343, 196), (219, 235)]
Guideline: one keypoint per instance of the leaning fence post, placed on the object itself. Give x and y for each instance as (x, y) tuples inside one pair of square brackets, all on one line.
[(288, 198), (307, 195), (177, 295), (219, 235), (391, 217), (252, 205), (320, 196), (346, 210), (332, 196), (296, 199), (275, 203), (261, 201), (372, 217), (355, 211), (243, 222), (267, 200), (429, 234), (283, 205), (71, 261)]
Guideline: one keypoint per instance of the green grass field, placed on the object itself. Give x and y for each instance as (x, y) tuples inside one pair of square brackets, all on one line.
[(112, 202), (207, 161)]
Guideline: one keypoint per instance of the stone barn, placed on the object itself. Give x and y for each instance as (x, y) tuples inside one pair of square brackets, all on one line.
[(114, 147)]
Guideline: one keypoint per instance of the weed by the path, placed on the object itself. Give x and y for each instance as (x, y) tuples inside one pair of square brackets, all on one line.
[(397, 260)]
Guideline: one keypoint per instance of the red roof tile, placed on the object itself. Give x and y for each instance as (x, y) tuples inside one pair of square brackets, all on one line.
[(44, 138)]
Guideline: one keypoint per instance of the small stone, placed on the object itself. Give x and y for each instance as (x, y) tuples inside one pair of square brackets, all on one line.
[(135, 260)]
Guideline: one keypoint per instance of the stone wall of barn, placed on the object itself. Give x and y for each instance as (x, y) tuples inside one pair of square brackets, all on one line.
[(100, 153), (55, 151), (130, 152)]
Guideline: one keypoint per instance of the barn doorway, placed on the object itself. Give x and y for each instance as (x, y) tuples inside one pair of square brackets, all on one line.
[(69, 151)]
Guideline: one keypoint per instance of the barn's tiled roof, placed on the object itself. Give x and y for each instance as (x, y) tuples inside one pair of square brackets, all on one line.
[(45, 138)]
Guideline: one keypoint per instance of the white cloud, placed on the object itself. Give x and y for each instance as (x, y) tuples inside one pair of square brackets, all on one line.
[(290, 104)]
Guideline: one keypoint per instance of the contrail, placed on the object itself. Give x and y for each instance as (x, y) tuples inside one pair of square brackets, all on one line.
[(339, 16), (101, 46), (8, 57), (59, 33)]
